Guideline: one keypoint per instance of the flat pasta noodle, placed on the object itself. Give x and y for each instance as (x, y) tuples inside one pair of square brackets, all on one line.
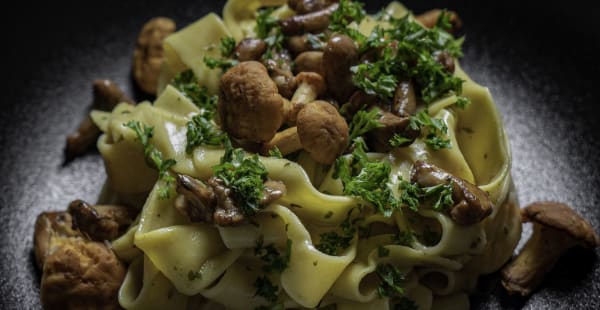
[(175, 263)]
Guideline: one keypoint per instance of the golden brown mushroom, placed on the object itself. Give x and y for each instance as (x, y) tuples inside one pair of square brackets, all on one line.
[(81, 274), (250, 106), (556, 228), (311, 22), (307, 6), (310, 86), (148, 55), (101, 222), (51, 231), (471, 204), (309, 62), (250, 49), (341, 53), (321, 131)]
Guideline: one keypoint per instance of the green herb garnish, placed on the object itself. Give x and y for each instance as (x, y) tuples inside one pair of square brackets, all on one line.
[(273, 261), (201, 130), (187, 83), (154, 157), (391, 281), (363, 122)]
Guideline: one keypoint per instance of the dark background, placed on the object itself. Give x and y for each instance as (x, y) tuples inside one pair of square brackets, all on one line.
[(540, 61)]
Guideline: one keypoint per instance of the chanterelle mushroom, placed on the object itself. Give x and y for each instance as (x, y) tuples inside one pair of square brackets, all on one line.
[(321, 131), (250, 106), (82, 275), (556, 228), (471, 204)]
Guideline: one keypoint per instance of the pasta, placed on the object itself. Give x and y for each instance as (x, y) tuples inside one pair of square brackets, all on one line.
[(177, 263)]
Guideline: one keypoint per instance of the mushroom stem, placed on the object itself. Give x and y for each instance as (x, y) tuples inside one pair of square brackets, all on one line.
[(538, 257), (311, 85), (287, 141)]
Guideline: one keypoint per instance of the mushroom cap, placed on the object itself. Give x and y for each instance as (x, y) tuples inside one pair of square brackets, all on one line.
[(250, 106), (313, 79), (561, 217), (323, 131)]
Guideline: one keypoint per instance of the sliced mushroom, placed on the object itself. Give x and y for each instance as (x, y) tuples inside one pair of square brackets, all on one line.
[(471, 204), (250, 106), (81, 274), (107, 95), (311, 22), (429, 19), (309, 62), (308, 6), (339, 55), (556, 229), (197, 201), (51, 231), (321, 131), (310, 86), (250, 49), (101, 222)]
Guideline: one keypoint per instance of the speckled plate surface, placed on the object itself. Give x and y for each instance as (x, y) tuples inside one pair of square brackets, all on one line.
[(541, 63)]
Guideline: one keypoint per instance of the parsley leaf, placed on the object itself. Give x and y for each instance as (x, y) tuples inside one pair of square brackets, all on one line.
[(154, 157), (391, 281), (272, 259), (187, 83), (266, 289), (265, 23), (443, 192), (363, 122), (332, 243), (436, 128), (201, 130), (462, 102), (397, 140), (347, 13), (275, 152), (409, 195), (244, 176), (367, 179), (405, 304), (383, 251), (227, 46), (412, 195), (223, 64)]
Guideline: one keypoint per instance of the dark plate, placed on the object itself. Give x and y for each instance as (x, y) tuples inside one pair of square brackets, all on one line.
[(540, 62)]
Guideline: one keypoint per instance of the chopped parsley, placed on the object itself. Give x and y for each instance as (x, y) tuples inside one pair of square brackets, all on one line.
[(405, 304), (193, 275), (244, 176), (201, 130), (436, 130), (407, 50), (391, 281), (403, 238), (347, 13), (366, 179), (462, 102), (332, 243), (187, 83), (268, 29), (383, 251), (266, 289), (227, 46), (272, 259), (315, 41), (440, 196), (363, 122), (223, 64), (154, 157), (275, 152)]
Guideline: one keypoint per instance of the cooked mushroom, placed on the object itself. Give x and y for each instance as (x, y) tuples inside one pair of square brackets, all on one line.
[(214, 201), (101, 222), (51, 230), (429, 19), (107, 95), (303, 43), (310, 86), (307, 6), (250, 49), (321, 131), (250, 106), (445, 59), (556, 228), (339, 55), (81, 274), (280, 70), (309, 62), (311, 22), (471, 204), (148, 54), (197, 201)]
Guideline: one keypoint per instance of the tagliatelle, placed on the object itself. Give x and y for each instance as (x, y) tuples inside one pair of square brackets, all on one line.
[(177, 264)]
